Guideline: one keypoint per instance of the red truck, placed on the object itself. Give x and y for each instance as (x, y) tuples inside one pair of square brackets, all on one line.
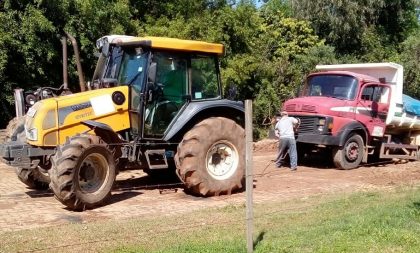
[(357, 110)]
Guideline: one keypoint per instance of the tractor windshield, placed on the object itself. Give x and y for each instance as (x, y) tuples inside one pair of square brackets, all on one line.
[(336, 86), (133, 67)]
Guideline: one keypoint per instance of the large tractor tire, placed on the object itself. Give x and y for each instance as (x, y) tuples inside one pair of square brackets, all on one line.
[(33, 178), (210, 159), (351, 154), (15, 130), (83, 172)]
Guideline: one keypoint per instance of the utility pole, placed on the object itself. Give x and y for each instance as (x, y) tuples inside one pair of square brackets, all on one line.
[(249, 177)]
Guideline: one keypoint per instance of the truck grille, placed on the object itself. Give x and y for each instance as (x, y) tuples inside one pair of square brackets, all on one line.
[(308, 124)]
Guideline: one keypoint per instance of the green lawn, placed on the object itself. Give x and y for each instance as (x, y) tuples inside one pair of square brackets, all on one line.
[(386, 221)]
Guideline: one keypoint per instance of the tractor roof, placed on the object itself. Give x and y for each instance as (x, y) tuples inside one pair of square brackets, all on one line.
[(166, 43)]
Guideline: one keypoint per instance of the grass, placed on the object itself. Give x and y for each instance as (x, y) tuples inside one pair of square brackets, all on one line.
[(383, 221)]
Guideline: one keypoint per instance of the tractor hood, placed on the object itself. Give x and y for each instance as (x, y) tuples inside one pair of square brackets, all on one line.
[(51, 121)]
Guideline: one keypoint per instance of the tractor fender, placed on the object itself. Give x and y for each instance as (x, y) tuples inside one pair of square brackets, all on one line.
[(194, 112), (352, 127), (104, 131)]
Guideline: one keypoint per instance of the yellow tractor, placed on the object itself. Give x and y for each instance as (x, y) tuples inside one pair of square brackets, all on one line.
[(155, 104)]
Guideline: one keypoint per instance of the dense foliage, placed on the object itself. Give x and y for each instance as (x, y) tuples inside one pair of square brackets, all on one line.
[(270, 45)]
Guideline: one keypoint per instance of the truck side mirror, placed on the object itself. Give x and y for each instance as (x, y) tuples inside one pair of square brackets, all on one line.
[(151, 77)]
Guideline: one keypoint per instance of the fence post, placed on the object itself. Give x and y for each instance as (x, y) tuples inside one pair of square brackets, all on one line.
[(249, 176)]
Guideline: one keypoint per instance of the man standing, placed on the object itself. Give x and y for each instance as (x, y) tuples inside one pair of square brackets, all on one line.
[(284, 130)]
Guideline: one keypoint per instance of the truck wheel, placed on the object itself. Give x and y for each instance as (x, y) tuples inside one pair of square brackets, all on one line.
[(83, 172), (350, 155), (211, 159)]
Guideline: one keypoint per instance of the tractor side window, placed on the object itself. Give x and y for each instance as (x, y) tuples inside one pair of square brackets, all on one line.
[(204, 78), (169, 94), (132, 73), (172, 75)]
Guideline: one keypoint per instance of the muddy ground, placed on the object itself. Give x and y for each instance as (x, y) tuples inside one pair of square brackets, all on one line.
[(137, 195)]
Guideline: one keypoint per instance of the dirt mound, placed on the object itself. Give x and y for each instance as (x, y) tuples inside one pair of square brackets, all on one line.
[(266, 145)]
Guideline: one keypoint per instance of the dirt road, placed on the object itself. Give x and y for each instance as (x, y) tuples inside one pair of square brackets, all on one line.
[(138, 195)]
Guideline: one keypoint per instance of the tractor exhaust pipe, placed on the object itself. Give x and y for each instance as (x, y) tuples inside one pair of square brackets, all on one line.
[(78, 64), (65, 75)]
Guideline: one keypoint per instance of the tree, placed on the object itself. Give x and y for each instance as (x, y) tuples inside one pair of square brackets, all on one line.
[(345, 23), (30, 49), (410, 58)]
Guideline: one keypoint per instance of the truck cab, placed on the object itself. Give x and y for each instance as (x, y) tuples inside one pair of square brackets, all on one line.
[(349, 108)]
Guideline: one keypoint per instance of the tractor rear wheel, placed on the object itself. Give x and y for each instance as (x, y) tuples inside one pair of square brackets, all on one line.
[(83, 172), (210, 159), (15, 130)]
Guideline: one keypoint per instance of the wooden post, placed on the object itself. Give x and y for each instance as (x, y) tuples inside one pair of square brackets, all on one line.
[(249, 177)]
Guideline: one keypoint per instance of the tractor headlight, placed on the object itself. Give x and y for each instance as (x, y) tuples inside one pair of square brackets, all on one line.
[(32, 134)]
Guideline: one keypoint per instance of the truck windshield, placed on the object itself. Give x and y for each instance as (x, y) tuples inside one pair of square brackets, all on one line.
[(337, 86)]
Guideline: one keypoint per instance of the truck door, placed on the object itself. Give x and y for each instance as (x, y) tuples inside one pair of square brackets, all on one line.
[(373, 107)]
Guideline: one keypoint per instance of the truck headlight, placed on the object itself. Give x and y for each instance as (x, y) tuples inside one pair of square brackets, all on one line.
[(32, 134), (321, 124)]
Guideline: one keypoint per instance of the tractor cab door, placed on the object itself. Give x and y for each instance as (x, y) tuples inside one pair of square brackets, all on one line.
[(167, 95)]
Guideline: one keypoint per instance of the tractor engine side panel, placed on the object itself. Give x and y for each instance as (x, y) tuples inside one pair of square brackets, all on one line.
[(55, 125)]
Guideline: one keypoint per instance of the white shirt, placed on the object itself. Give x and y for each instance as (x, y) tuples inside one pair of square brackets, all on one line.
[(284, 127)]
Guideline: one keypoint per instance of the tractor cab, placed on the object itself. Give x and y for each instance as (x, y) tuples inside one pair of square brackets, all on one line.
[(161, 80)]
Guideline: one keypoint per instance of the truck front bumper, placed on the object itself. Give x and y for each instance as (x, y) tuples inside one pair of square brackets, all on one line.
[(319, 139), (22, 155)]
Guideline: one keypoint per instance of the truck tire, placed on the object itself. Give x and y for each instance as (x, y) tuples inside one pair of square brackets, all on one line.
[(350, 155), (210, 159), (32, 178), (83, 172)]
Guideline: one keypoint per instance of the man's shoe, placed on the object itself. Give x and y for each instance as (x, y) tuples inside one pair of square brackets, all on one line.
[(293, 169), (278, 166)]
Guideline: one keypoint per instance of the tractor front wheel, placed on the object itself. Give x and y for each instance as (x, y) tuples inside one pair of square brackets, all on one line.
[(210, 160), (33, 178), (83, 172)]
